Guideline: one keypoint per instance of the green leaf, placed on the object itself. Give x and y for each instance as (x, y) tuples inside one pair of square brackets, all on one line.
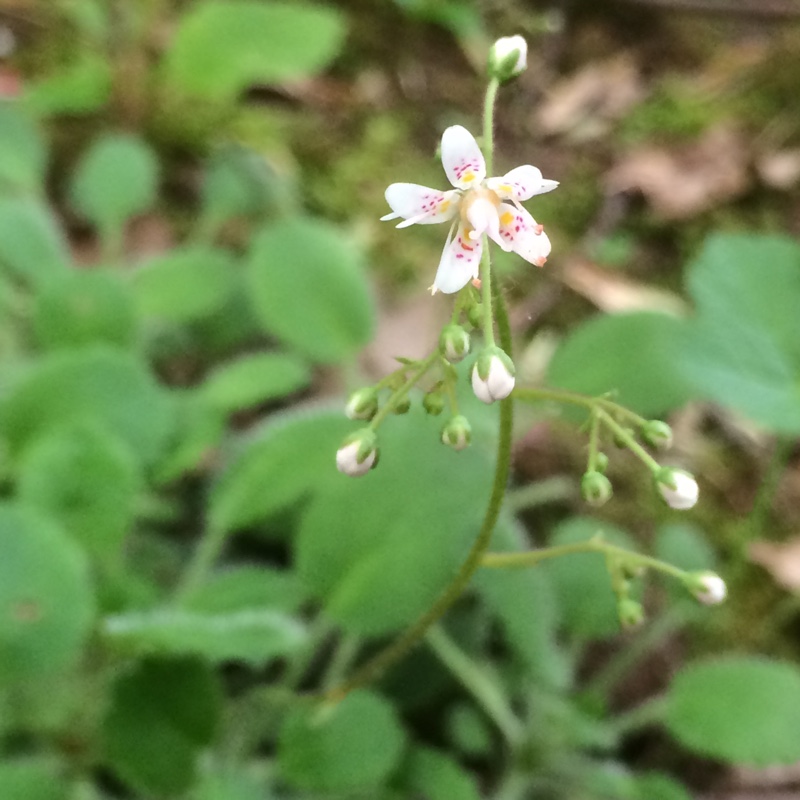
[(221, 48), (582, 582), (185, 284), (114, 180), (351, 746), (32, 246), (88, 480), (23, 152), (743, 349), (468, 730), (740, 709), (229, 783), (83, 307), (252, 635), (105, 387), (32, 778), (308, 288), (379, 550), (655, 786), (293, 454), (46, 601), (163, 713), (255, 379), (249, 587), (435, 776), (79, 88), (634, 355)]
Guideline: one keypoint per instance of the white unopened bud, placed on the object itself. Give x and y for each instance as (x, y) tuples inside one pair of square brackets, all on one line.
[(678, 488), (358, 455), (457, 433), (454, 343), (493, 376), (508, 57), (707, 587), (362, 404)]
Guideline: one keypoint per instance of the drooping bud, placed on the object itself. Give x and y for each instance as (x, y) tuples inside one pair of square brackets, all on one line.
[(362, 404), (596, 488), (493, 375), (678, 487), (454, 343), (358, 453), (631, 613), (401, 406), (657, 434), (475, 315), (707, 587), (601, 463), (433, 403), (457, 433), (508, 58)]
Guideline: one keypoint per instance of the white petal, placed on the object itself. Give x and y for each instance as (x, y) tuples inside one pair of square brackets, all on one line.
[(521, 183), (347, 461), (483, 217), (420, 205), (460, 263), (480, 387), (462, 158), (499, 380), (527, 239)]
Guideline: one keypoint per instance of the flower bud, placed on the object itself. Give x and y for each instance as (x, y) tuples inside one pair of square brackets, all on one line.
[(358, 453), (401, 406), (454, 343), (457, 433), (619, 441), (657, 434), (475, 315), (433, 403), (631, 613), (601, 463), (677, 487), (508, 58), (707, 587), (492, 375), (596, 488), (362, 404)]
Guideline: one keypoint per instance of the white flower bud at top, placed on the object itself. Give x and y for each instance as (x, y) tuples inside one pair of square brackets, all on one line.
[(454, 343), (678, 488), (457, 433), (508, 57), (707, 587), (493, 375), (362, 404), (358, 454)]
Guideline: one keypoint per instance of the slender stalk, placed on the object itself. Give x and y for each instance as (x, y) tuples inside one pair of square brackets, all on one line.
[(486, 289), (628, 440), (488, 124), (403, 390), (532, 394), (594, 436), (477, 682)]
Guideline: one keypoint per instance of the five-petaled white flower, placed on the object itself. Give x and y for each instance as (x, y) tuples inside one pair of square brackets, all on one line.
[(479, 203)]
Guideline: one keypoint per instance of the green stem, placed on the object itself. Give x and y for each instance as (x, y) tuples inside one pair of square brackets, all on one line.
[(649, 713), (532, 394), (477, 682), (202, 562), (403, 390), (625, 437), (532, 558), (594, 436), (486, 289), (488, 124), (344, 654)]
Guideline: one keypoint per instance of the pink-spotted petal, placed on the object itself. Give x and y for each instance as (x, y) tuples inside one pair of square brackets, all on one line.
[(462, 158), (521, 183), (526, 237), (419, 205), (460, 263)]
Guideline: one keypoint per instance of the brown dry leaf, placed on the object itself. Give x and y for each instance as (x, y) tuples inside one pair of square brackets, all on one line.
[(781, 560), (684, 181), (614, 293), (584, 103)]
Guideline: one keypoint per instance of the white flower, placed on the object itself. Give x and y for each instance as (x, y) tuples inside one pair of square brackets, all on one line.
[(678, 488), (708, 588), (477, 205), (502, 51), (358, 454), (491, 378)]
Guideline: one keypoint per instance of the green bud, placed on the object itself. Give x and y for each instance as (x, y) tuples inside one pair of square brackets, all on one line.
[(433, 403), (454, 343), (457, 433), (507, 58), (601, 463), (596, 488), (475, 315), (401, 406), (619, 441), (657, 434), (362, 404), (631, 613)]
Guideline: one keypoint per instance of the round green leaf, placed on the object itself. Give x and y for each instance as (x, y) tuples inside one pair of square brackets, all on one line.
[(116, 179), (23, 153), (436, 776), (32, 779), (634, 355), (108, 388), (353, 746), (46, 603), (221, 48), (185, 284), (254, 379), (83, 307), (738, 708), (309, 289)]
